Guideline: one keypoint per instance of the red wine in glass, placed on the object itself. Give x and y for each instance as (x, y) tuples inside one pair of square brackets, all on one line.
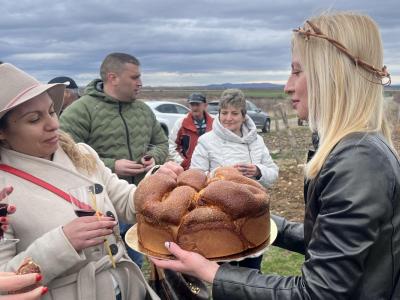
[(3, 209), (5, 241), (83, 200), (3, 213), (85, 212)]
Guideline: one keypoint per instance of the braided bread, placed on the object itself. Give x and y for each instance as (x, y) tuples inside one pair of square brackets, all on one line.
[(216, 216)]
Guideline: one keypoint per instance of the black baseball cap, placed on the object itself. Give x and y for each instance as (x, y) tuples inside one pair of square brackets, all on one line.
[(69, 82), (197, 98)]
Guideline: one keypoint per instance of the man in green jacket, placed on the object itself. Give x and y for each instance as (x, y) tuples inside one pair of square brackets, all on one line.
[(120, 128), (123, 131)]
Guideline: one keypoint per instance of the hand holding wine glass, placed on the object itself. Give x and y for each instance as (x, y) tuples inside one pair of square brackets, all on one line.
[(5, 208), (92, 227), (85, 232)]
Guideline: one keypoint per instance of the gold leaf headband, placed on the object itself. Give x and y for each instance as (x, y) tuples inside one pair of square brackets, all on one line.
[(316, 32)]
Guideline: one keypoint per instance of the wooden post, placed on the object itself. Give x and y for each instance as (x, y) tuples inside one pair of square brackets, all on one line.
[(276, 118), (291, 138)]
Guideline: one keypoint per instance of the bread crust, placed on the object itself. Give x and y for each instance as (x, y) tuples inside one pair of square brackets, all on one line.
[(216, 216)]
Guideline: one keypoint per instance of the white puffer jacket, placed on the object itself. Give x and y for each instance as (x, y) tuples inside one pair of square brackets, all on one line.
[(222, 147)]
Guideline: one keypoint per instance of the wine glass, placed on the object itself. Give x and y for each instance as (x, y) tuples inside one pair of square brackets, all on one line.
[(83, 200), (4, 204)]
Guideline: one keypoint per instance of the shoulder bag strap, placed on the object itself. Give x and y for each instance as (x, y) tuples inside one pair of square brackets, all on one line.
[(44, 184)]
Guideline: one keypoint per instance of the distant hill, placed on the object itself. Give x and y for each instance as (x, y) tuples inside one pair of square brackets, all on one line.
[(262, 85), (395, 87)]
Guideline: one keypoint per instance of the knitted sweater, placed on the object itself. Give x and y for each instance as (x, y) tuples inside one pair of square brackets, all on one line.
[(115, 129)]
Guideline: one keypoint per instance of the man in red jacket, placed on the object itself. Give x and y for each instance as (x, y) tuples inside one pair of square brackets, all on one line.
[(186, 131)]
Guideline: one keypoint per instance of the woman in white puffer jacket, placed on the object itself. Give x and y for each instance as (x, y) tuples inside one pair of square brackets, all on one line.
[(234, 141)]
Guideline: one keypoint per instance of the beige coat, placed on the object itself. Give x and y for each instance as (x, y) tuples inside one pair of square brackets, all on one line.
[(85, 275)]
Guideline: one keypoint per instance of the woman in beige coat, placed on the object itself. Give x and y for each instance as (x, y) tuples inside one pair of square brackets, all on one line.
[(69, 250)]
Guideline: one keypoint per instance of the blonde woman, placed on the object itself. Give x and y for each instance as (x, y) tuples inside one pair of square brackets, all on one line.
[(351, 231), (69, 250)]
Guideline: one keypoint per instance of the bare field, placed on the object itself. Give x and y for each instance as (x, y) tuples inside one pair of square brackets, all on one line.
[(264, 99)]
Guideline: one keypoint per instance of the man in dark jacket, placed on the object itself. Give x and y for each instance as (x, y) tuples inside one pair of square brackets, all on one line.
[(187, 130), (120, 128)]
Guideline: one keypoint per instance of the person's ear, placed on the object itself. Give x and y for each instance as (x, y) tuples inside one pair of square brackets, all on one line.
[(112, 78)]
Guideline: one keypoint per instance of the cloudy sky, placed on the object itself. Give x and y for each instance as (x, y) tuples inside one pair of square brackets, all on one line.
[(179, 42)]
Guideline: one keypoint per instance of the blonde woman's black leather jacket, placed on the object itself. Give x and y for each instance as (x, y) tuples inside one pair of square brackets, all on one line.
[(350, 236)]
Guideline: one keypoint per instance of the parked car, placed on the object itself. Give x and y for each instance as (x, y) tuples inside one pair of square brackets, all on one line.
[(260, 118), (213, 107), (167, 113)]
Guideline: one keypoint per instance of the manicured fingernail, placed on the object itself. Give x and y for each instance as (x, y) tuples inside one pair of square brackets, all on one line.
[(45, 289), (167, 245), (39, 277), (3, 219)]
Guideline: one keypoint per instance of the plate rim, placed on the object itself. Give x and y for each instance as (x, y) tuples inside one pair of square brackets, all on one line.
[(253, 252)]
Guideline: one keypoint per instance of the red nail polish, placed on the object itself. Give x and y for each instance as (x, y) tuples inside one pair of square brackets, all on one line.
[(3, 219), (45, 289), (39, 277)]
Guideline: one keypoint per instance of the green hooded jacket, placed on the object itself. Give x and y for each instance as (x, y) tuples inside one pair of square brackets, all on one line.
[(115, 129)]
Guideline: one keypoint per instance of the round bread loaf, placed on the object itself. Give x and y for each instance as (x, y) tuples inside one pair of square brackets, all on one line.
[(215, 216)]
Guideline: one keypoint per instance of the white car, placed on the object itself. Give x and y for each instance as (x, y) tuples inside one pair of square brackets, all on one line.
[(167, 113)]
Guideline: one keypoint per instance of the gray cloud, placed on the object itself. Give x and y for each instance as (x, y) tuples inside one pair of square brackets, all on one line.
[(189, 42)]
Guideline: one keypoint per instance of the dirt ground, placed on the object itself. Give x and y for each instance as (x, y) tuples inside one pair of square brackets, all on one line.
[(287, 193)]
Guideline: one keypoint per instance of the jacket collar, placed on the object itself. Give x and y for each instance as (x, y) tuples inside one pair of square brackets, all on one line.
[(96, 89), (249, 131), (188, 122)]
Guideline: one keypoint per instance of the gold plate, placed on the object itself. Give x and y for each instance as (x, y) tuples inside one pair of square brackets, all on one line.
[(132, 241)]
